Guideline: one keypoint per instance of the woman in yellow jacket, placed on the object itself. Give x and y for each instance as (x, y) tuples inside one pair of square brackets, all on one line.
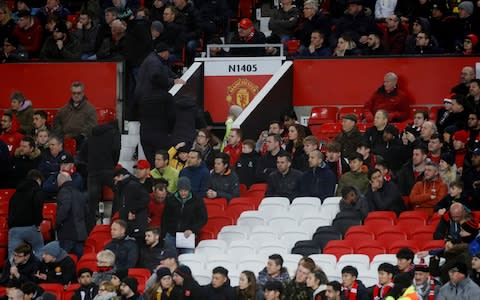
[(403, 288), (178, 156)]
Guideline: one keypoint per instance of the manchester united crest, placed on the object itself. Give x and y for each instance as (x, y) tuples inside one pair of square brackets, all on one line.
[(241, 92)]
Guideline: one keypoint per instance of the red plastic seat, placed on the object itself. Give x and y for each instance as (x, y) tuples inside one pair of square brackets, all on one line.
[(92, 265), (378, 222), (321, 115), (338, 248), (243, 190), (394, 246), (423, 233), (213, 210), (141, 275), (432, 244), (433, 113), (356, 110), (72, 287), (327, 132), (413, 218), (389, 215), (70, 145), (217, 222), (252, 200), (221, 203), (390, 235), (3, 238), (46, 230), (292, 47), (359, 232), (371, 250), (258, 187), (54, 288), (207, 234), (6, 194), (107, 193), (3, 256), (100, 228), (4, 209), (105, 115)]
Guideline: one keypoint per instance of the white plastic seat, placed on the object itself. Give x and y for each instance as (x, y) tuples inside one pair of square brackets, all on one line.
[(254, 263), (273, 247), (381, 258), (211, 247), (251, 218), (281, 201), (193, 260), (263, 235), (311, 201), (241, 248), (227, 261), (270, 210), (282, 222), (203, 278), (329, 211), (300, 210), (294, 234), (368, 278), (360, 261), (324, 260), (331, 201), (315, 220), (231, 233), (290, 261), (234, 276)]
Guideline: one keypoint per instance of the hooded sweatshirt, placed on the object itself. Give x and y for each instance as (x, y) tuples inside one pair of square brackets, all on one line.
[(25, 116)]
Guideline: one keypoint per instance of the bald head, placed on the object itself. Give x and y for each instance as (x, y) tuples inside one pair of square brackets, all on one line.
[(457, 212), (467, 75)]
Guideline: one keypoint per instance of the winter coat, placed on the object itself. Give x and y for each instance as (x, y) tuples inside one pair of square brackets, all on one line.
[(354, 25), (296, 291), (180, 215), (349, 141), (422, 191), (61, 271), (258, 37), (31, 38), (21, 164), (24, 116), (149, 258), (50, 185), (72, 210), (169, 174), (71, 49), (263, 276), (284, 22), (86, 38), (27, 270), (186, 119), (394, 41), (318, 182), (465, 289), (225, 292), (125, 250), (74, 121), (245, 168), (103, 148), (406, 178), (49, 164), (174, 35), (267, 164), (386, 198), (356, 179), (396, 103), (89, 292), (318, 22), (199, 177), (226, 185), (25, 208), (280, 185)]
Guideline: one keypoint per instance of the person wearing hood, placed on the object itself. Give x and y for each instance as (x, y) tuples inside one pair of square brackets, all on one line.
[(352, 288), (184, 212), (72, 210), (22, 109), (182, 276), (26, 158), (76, 118), (131, 201), (124, 247), (353, 201), (383, 195), (9, 132), (25, 213), (100, 154), (129, 289), (56, 265), (318, 181), (219, 288), (273, 271), (165, 287), (224, 182)]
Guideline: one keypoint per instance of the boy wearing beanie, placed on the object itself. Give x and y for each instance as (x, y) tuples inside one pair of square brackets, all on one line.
[(128, 289), (56, 265)]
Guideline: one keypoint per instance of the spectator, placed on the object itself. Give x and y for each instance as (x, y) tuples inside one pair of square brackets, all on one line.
[(402, 288), (285, 181), (21, 265), (444, 112), (162, 170), (61, 45), (233, 113), (25, 213), (129, 289), (385, 281), (131, 201), (294, 146), (267, 163), (178, 156), (164, 287), (374, 43), (182, 276), (72, 210), (7, 23), (390, 98), (316, 48), (273, 290), (350, 137), (310, 143), (405, 264), (26, 158), (424, 44), (55, 258), (394, 40), (447, 169), (475, 274), (203, 144), (174, 34), (274, 127), (190, 16), (103, 151), (374, 135), (150, 253), (9, 132), (471, 179), (234, 146), (52, 8), (335, 161), (105, 31), (29, 33), (333, 291), (355, 177), (67, 165), (14, 294), (123, 246), (12, 51), (441, 24), (296, 288), (157, 202), (118, 45), (369, 159), (412, 171), (318, 181), (419, 118), (224, 181), (460, 139), (466, 76), (77, 118), (470, 42), (464, 287), (50, 162), (425, 285), (419, 25), (116, 279), (426, 132), (188, 117), (352, 288), (317, 281), (105, 267), (463, 25), (247, 287), (274, 271), (353, 201), (184, 212), (197, 173), (41, 141), (39, 122), (86, 33), (426, 193), (449, 225), (314, 20), (290, 118), (346, 46), (354, 22), (247, 163), (473, 97), (88, 289), (383, 195), (284, 21), (220, 287), (106, 291), (247, 34), (22, 109)]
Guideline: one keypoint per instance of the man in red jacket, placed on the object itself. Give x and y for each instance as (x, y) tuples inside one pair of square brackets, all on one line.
[(9, 132), (29, 32)]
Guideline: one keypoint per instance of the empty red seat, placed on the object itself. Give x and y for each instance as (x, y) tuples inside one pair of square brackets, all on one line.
[(371, 250), (141, 275), (70, 145), (321, 115), (432, 244), (107, 194), (46, 230), (422, 233), (388, 215), (359, 233), (252, 200), (327, 132), (72, 287), (356, 110), (292, 46), (54, 288), (390, 235), (207, 234), (51, 113), (338, 248), (243, 190), (50, 212), (413, 218), (397, 245), (258, 187), (221, 203)]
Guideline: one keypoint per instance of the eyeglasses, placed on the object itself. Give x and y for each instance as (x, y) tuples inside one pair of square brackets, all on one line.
[(467, 41)]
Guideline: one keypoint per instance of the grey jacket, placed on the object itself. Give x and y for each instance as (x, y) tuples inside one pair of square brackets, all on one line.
[(464, 290)]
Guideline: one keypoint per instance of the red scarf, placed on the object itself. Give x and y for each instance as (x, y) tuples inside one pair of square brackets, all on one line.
[(381, 291), (431, 293), (351, 294)]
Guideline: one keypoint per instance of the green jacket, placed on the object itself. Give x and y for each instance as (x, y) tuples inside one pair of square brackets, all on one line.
[(357, 179), (169, 174)]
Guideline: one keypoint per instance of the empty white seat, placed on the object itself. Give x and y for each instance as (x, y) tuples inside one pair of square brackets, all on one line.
[(331, 201), (241, 248), (251, 218), (332, 273), (313, 221), (381, 258), (292, 235), (226, 261), (282, 201), (324, 260), (272, 209), (263, 236), (233, 232), (211, 247), (290, 262), (300, 210), (311, 201), (254, 263), (329, 211), (203, 278), (272, 247), (282, 222), (234, 276), (193, 260), (368, 279), (360, 261)]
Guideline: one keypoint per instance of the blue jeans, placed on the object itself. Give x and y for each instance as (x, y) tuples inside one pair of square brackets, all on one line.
[(19, 235), (170, 242)]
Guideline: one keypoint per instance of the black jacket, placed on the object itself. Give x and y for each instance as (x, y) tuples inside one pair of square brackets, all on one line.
[(187, 116), (349, 141), (21, 164), (225, 292), (131, 196), (179, 216), (90, 292), (257, 38), (406, 179), (226, 185), (279, 185), (62, 270), (267, 164), (103, 148), (26, 270), (245, 168), (72, 210), (318, 182), (386, 198), (125, 250), (26, 205)]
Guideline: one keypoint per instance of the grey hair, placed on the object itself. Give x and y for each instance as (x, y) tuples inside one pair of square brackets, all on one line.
[(107, 256), (392, 76), (62, 178), (311, 3)]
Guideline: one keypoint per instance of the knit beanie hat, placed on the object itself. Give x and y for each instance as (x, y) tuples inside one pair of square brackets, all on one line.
[(121, 273), (131, 282), (184, 184), (461, 135), (163, 272), (235, 111), (157, 26), (52, 248), (460, 267), (183, 271), (466, 5), (473, 38), (448, 158)]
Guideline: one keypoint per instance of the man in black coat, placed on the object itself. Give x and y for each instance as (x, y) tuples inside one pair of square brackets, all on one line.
[(25, 213), (383, 195), (285, 181), (247, 34), (72, 211), (27, 157), (123, 246), (22, 265), (318, 181), (220, 287), (88, 289), (268, 162), (131, 201), (354, 23), (56, 265)]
